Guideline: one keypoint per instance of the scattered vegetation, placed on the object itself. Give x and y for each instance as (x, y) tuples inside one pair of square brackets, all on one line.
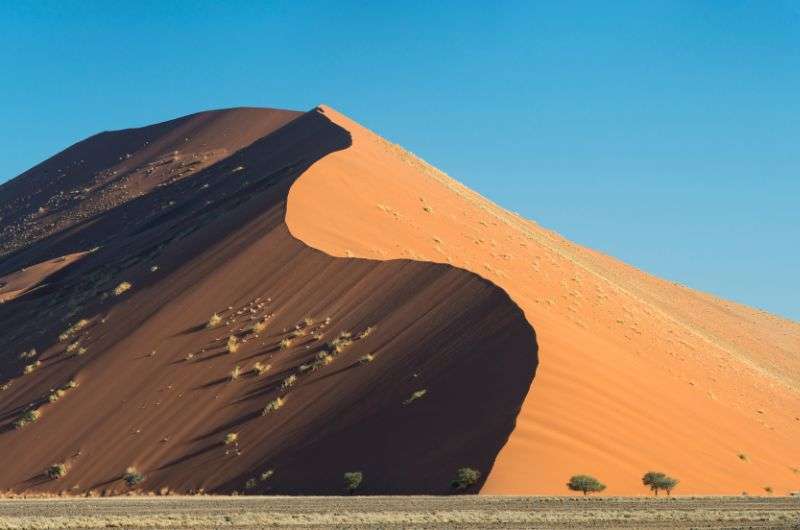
[(368, 358), (656, 481), (214, 321), (30, 368), (274, 405), (586, 484), (285, 344), (121, 288), (419, 394), (289, 381), (341, 342), (465, 477), (28, 354), (73, 329), (366, 333), (352, 480), (260, 368), (56, 471), (132, 476), (233, 344)]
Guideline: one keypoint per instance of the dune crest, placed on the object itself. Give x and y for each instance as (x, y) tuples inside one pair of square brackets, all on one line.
[(636, 373)]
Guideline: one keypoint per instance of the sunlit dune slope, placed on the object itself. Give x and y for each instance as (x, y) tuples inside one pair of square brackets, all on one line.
[(636, 373)]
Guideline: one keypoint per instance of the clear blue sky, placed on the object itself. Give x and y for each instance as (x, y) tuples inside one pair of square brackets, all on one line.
[(663, 133)]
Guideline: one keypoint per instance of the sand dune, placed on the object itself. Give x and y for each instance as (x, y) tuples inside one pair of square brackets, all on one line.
[(636, 373), (397, 369), (277, 216)]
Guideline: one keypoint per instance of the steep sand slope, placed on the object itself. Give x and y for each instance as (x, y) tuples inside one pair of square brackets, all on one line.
[(154, 388), (636, 373)]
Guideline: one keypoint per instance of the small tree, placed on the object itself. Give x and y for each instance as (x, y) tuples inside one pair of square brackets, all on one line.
[(353, 480), (656, 480), (465, 477), (585, 483)]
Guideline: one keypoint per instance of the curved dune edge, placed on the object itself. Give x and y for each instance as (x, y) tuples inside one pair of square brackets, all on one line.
[(18, 283), (153, 384), (636, 373)]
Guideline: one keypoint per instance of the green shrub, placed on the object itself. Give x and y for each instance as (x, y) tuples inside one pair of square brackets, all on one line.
[(29, 416), (132, 476), (465, 477), (352, 480), (57, 471), (585, 483)]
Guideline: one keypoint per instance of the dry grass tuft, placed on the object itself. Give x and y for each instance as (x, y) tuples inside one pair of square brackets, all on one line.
[(285, 344), (260, 369), (73, 329), (419, 394), (274, 405), (30, 368), (289, 381), (214, 321), (233, 344), (235, 373), (121, 288), (231, 438)]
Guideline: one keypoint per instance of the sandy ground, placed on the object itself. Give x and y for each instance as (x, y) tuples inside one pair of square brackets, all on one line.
[(403, 512), (636, 373)]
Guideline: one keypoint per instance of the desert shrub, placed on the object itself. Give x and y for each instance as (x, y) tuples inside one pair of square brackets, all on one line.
[(289, 381), (308, 321), (231, 438), (73, 329), (352, 480), (656, 480), (235, 373), (30, 416), (30, 368), (56, 394), (260, 326), (121, 288), (214, 321), (340, 343), (266, 475), (299, 332), (465, 477), (250, 484), (586, 484), (366, 333), (743, 457), (233, 344), (260, 368), (768, 489), (368, 358), (274, 405), (419, 394), (73, 346), (28, 354), (132, 476), (56, 471), (285, 344)]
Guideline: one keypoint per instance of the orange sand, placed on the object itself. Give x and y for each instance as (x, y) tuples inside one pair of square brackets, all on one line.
[(635, 373)]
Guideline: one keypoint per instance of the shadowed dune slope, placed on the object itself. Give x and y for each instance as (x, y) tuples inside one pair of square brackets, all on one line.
[(636, 373), (154, 387)]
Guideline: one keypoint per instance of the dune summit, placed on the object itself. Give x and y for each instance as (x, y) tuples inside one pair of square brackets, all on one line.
[(261, 301)]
